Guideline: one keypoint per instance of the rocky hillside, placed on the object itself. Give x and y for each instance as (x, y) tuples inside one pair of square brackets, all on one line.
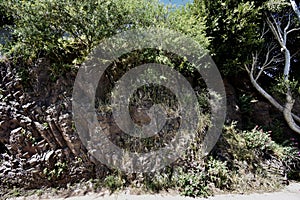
[(39, 145)]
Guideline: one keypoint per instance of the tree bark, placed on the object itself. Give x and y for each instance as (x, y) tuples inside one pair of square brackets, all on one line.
[(287, 112), (295, 8)]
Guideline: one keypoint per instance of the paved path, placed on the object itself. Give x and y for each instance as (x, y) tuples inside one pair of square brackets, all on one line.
[(291, 192), (272, 196)]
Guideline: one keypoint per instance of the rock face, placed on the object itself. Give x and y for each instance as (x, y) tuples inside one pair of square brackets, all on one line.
[(248, 107), (38, 143), (262, 112), (233, 110)]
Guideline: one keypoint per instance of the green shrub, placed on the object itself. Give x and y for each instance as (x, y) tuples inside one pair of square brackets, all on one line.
[(218, 173), (160, 180), (255, 152), (193, 183), (66, 31), (245, 145), (60, 28), (258, 139), (114, 181)]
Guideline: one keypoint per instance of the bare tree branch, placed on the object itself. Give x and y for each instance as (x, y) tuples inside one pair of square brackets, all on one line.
[(292, 30), (264, 93), (276, 31)]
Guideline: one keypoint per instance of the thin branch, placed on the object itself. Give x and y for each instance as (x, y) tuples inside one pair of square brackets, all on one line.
[(264, 31), (273, 101), (285, 30), (292, 30), (273, 29), (267, 61), (295, 53), (288, 24), (279, 30)]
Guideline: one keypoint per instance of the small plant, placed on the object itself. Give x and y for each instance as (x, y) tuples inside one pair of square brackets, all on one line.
[(79, 159), (245, 145), (255, 158), (193, 183), (56, 172), (277, 128), (218, 173), (73, 126), (24, 74), (114, 182), (39, 192), (161, 180), (15, 192), (258, 139), (45, 125), (29, 138), (245, 103)]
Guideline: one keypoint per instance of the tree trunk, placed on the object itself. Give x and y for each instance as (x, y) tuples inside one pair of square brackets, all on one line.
[(295, 8)]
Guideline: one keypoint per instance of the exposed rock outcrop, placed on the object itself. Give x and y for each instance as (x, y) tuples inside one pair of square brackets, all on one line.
[(39, 145)]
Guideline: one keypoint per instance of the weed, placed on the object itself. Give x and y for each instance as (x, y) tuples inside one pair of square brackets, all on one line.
[(218, 173), (56, 172), (193, 183), (45, 125), (114, 182), (15, 192), (161, 180)]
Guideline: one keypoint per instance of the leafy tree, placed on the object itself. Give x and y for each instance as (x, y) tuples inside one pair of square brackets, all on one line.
[(5, 18), (57, 28), (189, 21), (65, 30), (232, 27)]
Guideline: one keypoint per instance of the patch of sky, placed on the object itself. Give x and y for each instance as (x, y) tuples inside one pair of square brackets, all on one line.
[(176, 2)]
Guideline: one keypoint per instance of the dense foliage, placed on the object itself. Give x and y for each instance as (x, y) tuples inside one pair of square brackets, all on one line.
[(233, 27)]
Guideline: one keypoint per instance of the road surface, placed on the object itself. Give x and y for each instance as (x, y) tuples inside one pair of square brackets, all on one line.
[(291, 192)]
